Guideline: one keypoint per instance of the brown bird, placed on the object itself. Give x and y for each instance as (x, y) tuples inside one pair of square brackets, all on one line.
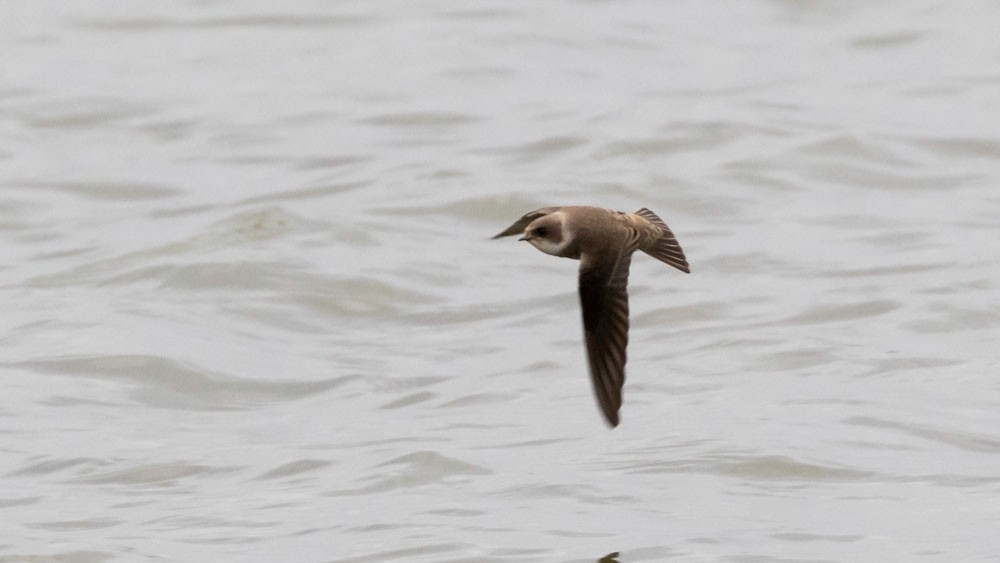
[(603, 241)]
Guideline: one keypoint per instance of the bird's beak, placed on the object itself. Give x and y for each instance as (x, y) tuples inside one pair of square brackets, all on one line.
[(525, 237)]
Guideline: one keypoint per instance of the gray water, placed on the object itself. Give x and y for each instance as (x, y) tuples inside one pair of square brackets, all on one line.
[(252, 311)]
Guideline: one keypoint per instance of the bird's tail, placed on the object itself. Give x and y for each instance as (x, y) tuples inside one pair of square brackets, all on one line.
[(666, 248)]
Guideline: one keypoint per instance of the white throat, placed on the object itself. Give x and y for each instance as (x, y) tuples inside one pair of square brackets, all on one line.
[(548, 246)]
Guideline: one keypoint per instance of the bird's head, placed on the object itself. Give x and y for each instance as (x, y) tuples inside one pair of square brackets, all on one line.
[(547, 234)]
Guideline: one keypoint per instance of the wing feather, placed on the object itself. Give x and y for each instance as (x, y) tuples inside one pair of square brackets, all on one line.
[(604, 302), (519, 225)]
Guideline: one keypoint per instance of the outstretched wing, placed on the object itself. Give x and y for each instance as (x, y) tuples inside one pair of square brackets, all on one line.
[(519, 225), (604, 302)]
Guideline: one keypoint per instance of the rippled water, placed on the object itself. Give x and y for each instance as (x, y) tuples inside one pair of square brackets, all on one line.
[(252, 312)]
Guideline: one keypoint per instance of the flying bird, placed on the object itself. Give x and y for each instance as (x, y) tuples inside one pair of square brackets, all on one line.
[(603, 241)]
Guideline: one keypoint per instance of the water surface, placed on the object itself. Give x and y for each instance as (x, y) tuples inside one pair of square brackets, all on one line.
[(252, 311)]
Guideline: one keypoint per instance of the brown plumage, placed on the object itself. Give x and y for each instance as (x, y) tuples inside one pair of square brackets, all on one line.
[(603, 240)]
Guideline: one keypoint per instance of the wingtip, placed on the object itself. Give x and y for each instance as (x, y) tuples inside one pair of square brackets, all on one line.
[(509, 232), (611, 419)]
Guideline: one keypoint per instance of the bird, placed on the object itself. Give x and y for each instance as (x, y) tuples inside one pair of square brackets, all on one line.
[(603, 240)]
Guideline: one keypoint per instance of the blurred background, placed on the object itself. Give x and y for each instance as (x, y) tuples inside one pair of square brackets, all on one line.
[(252, 311)]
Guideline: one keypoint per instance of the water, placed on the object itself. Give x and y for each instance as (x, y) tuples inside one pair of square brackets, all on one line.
[(251, 311)]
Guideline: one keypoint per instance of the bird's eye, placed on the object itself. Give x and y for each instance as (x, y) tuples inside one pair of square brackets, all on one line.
[(541, 231)]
